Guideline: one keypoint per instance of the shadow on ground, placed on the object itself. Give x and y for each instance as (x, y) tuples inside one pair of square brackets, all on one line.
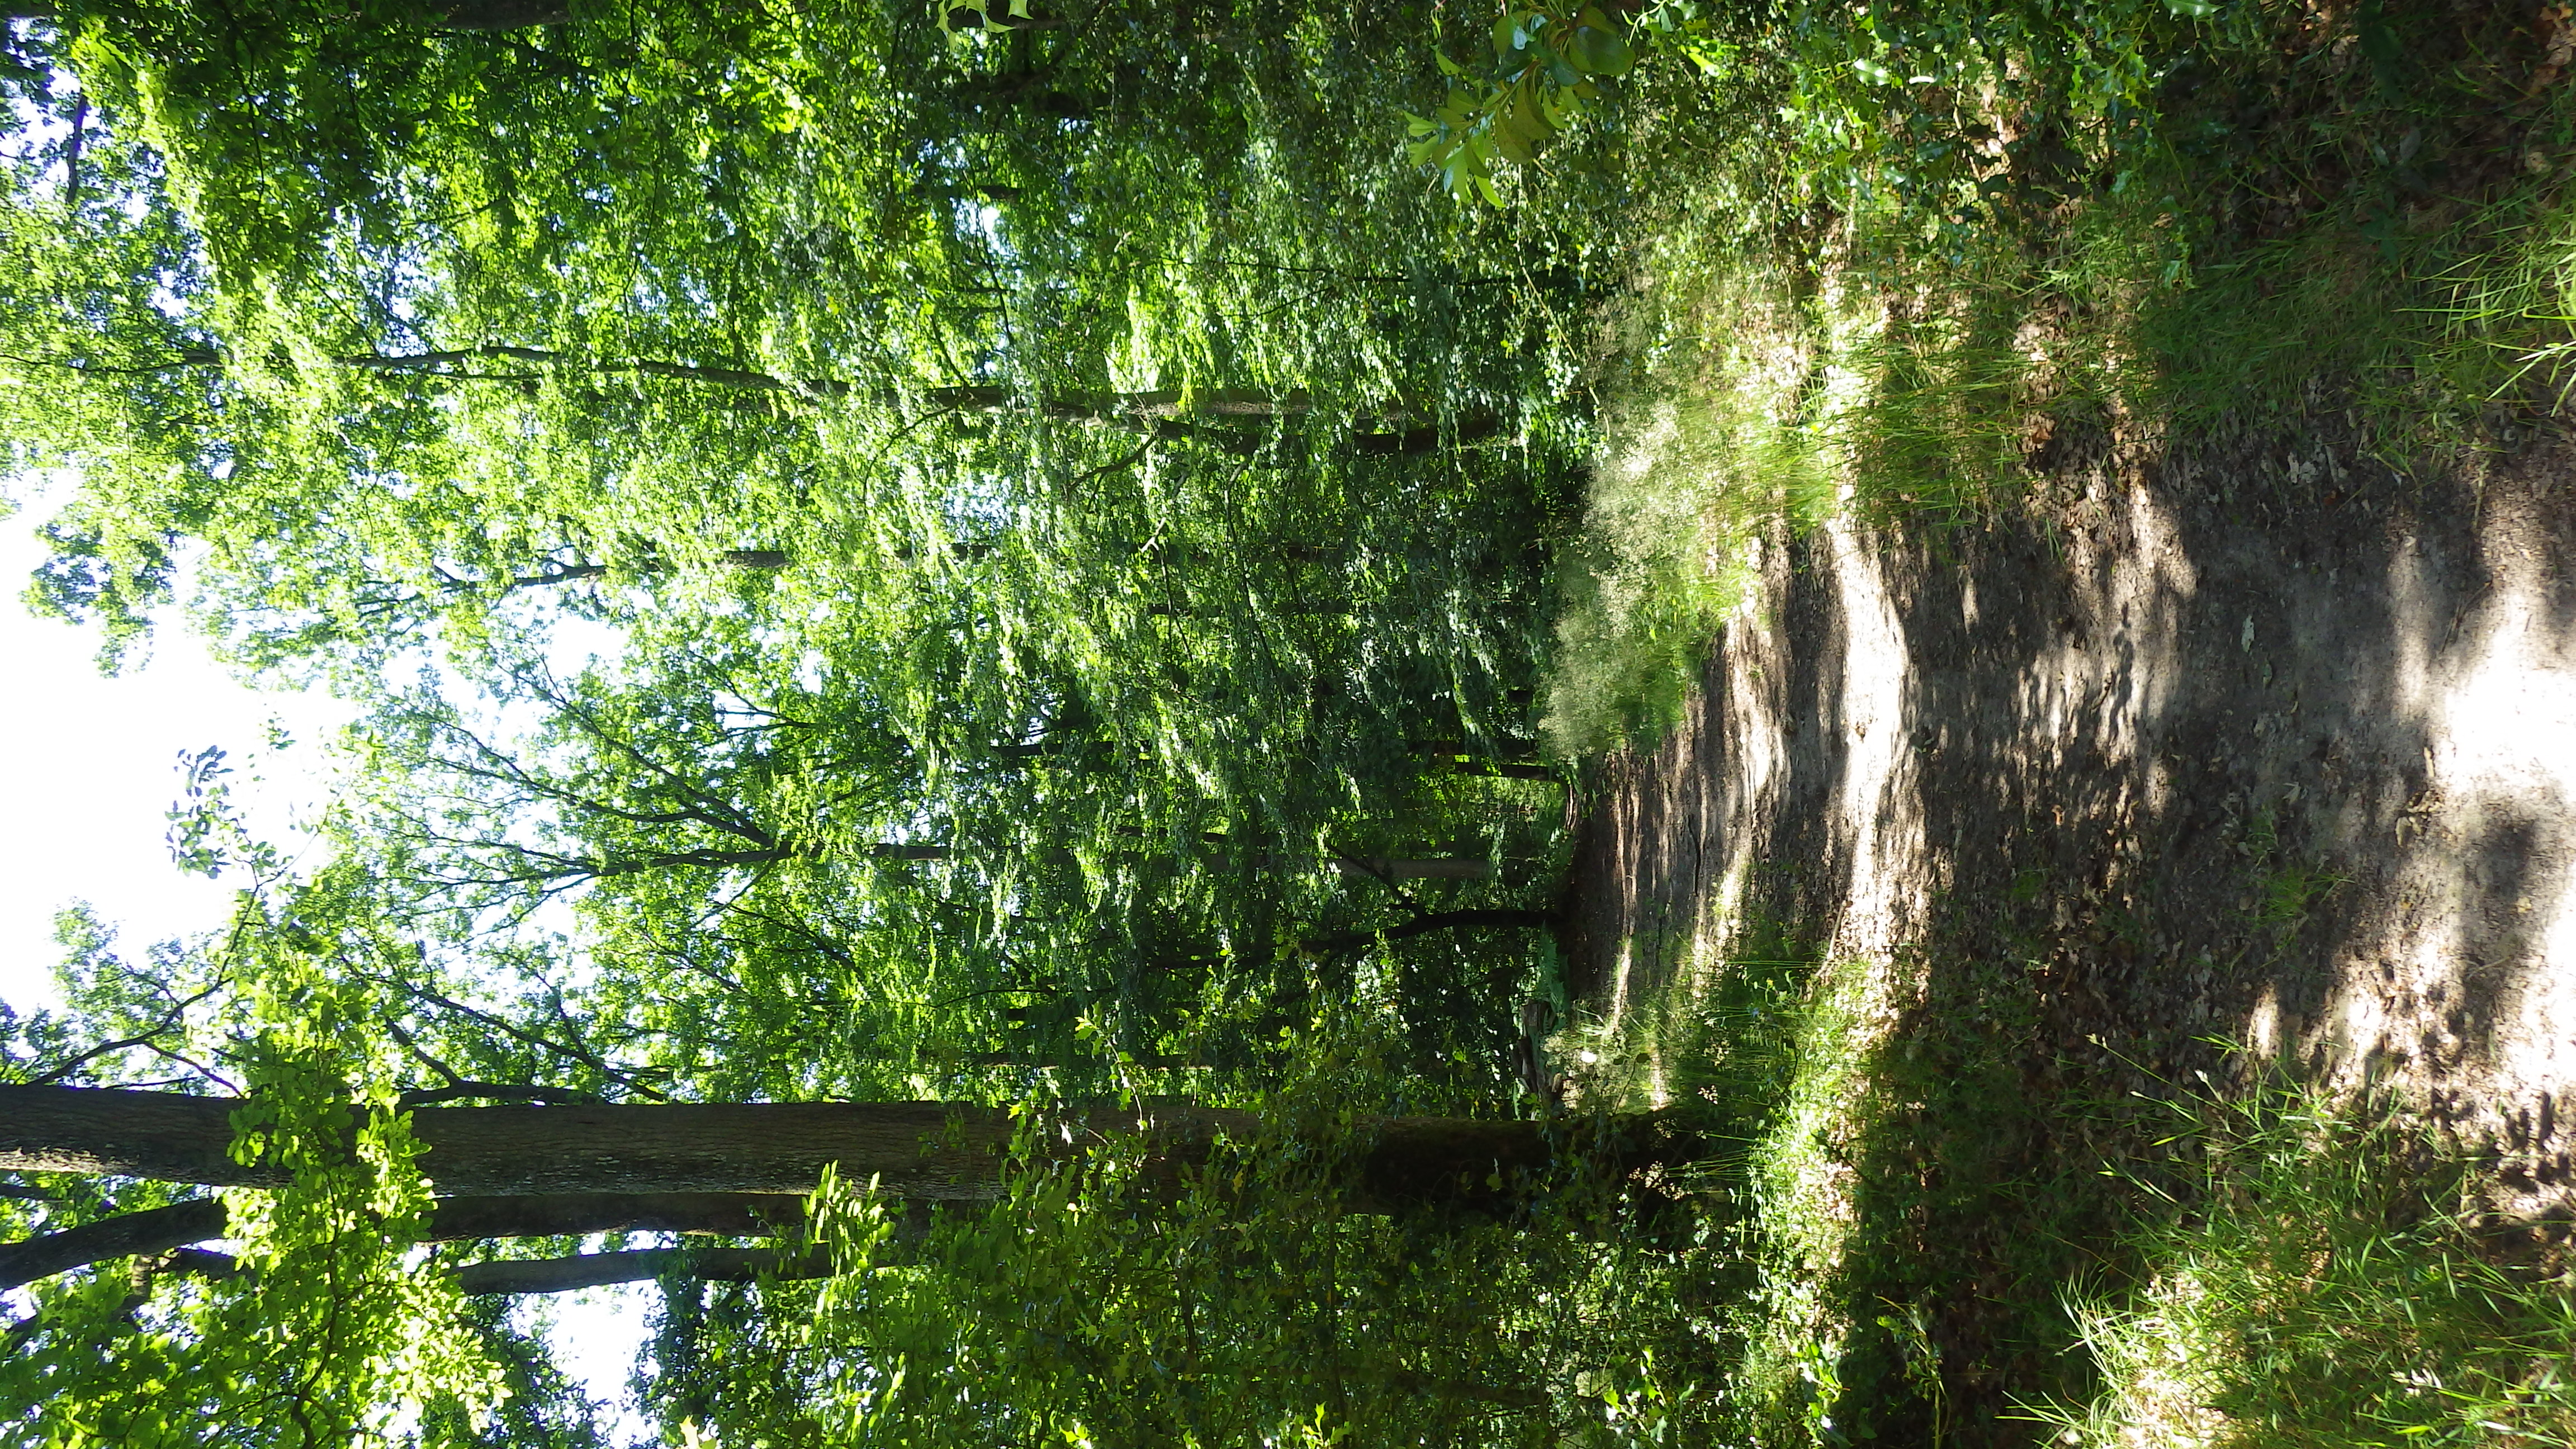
[(2246, 743)]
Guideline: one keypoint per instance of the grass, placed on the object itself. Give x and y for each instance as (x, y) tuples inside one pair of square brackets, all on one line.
[(1942, 1220), (1858, 1138), (1913, 1239), (2327, 1281), (1881, 302)]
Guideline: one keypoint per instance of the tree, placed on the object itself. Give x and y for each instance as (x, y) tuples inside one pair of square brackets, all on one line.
[(931, 1151), (504, 1172)]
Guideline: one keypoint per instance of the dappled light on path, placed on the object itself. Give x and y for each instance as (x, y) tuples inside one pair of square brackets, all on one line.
[(2253, 744)]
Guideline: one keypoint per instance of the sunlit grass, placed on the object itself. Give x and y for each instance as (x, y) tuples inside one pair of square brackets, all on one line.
[(2328, 1283), (1700, 451)]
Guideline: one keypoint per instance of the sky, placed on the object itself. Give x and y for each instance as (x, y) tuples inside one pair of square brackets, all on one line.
[(94, 771)]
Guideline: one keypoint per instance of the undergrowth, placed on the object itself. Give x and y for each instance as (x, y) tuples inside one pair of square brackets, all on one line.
[(1888, 262), (2325, 1281), (1898, 255), (1912, 1246)]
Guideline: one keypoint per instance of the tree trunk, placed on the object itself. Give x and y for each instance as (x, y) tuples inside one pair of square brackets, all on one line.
[(1100, 406), (735, 859), (494, 14), (1371, 867), (931, 1151), (1441, 868), (597, 1270), (1430, 921), (456, 1219)]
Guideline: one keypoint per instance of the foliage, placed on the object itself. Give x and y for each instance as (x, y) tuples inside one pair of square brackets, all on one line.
[(319, 1329), (1063, 523), (1548, 71), (1248, 1303), (1067, 514)]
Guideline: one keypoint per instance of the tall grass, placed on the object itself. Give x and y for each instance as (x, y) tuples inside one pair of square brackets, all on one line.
[(2295, 1271), (2329, 1283), (1702, 446), (1776, 1048)]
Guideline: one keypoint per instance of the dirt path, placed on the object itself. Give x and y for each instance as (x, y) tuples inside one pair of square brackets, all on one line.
[(2249, 742)]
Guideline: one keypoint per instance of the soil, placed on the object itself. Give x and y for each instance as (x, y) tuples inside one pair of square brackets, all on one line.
[(2257, 750)]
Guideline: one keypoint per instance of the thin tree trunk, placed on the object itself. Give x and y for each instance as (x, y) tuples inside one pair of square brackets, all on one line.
[(728, 859), (1159, 413), (159, 1230), (1442, 868), (1163, 403), (741, 558), (1428, 922), (501, 1276), (1373, 867), (493, 14), (597, 1270)]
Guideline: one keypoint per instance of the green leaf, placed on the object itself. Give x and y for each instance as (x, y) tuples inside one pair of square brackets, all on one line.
[(1602, 52)]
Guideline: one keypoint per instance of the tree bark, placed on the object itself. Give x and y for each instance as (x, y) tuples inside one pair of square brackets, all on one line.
[(1371, 867), (494, 14), (1164, 403), (1157, 414), (502, 1276), (1430, 921), (732, 859), (928, 1151), (1451, 867), (127, 1235)]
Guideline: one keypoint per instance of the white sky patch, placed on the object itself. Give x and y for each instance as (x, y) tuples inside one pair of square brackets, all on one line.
[(596, 1335), (97, 772)]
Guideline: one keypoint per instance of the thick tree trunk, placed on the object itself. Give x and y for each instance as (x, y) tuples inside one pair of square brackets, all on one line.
[(932, 1151)]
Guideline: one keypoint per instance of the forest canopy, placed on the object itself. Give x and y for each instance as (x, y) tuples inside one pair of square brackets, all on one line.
[(1071, 502)]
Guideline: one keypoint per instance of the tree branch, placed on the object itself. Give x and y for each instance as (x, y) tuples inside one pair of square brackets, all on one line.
[(126, 1235)]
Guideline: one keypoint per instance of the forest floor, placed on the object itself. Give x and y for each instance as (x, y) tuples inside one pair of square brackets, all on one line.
[(2253, 754)]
